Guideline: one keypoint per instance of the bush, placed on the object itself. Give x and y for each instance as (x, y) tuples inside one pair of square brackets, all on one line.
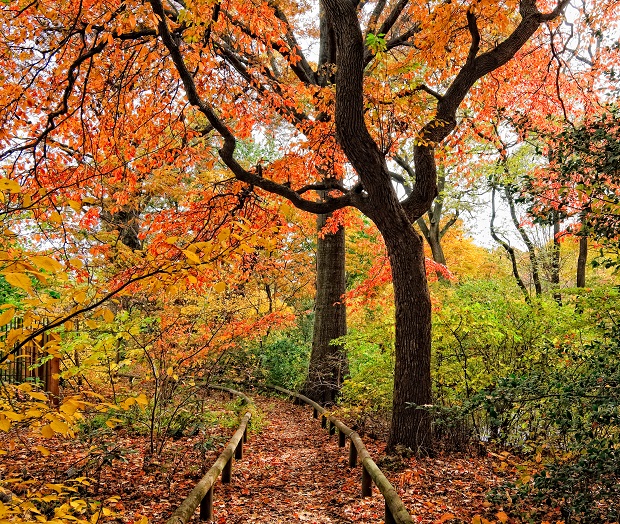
[(573, 411)]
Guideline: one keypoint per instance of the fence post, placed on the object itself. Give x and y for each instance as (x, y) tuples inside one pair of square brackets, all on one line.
[(366, 483), (352, 454), (227, 471), (53, 382), (389, 518), (315, 413), (341, 439), (323, 421), (332, 428), (206, 506), (239, 450)]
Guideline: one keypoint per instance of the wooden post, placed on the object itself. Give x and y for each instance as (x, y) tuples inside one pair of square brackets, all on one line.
[(315, 413), (206, 506), (389, 518), (53, 382), (227, 471), (245, 435), (352, 454), (366, 483), (341, 439), (323, 421), (332, 428), (239, 450)]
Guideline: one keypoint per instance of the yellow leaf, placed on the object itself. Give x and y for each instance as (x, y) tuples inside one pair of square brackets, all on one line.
[(108, 316), (9, 185), (75, 205), (18, 280), (172, 240), (446, 516), (47, 431), (69, 408), (476, 520), (193, 257), (25, 386), (6, 317), (142, 400), (77, 263), (56, 218), (143, 520), (220, 287), (47, 263), (5, 424), (502, 517), (170, 371), (17, 417), (38, 395), (79, 296), (59, 426), (44, 451)]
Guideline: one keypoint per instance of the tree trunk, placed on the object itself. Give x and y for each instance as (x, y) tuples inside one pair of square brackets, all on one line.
[(328, 363), (582, 261), (411, 426), (555, 261)]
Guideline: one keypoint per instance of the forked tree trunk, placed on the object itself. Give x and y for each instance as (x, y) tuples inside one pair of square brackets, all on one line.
[(328, 363)]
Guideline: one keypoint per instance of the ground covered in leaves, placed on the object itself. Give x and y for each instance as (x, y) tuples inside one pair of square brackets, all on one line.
[(292, 471)]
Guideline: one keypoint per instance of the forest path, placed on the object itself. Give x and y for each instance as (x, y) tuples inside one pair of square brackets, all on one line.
[(292, 471)]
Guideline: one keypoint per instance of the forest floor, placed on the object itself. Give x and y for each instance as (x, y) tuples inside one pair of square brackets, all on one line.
[(292, 471)]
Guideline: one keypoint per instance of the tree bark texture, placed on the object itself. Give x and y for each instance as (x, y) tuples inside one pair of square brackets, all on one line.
[(328, 363), (411, 423)]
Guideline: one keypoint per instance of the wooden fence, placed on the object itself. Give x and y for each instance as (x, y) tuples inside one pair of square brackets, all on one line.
[(395, 510), (202, 494), (29, 363)]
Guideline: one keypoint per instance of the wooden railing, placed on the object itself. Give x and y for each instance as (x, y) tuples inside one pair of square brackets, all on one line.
[(395, 510), (202, 494)]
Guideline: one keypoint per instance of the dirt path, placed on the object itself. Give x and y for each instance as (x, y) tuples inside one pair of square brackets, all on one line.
[(293, 472)]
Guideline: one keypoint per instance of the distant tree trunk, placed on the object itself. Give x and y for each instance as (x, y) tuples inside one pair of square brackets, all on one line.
[(555, 260), (526, 240), (508, 248), (328, 363), (582, 259)]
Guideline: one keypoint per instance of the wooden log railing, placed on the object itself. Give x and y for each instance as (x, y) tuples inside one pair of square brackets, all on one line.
[(395, 510), (202, 494)]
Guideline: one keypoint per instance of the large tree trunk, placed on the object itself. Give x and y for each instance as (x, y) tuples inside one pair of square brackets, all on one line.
[(411, 424), (328, 363)]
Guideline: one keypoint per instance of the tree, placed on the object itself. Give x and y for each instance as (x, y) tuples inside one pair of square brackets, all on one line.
[(237, 62)]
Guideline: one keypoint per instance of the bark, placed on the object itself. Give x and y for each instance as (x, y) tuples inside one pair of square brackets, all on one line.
[(555, 260), (411, 423), (328, 363), (582, 259)]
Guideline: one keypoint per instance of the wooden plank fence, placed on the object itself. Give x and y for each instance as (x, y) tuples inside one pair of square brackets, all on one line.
[(30, 364)]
